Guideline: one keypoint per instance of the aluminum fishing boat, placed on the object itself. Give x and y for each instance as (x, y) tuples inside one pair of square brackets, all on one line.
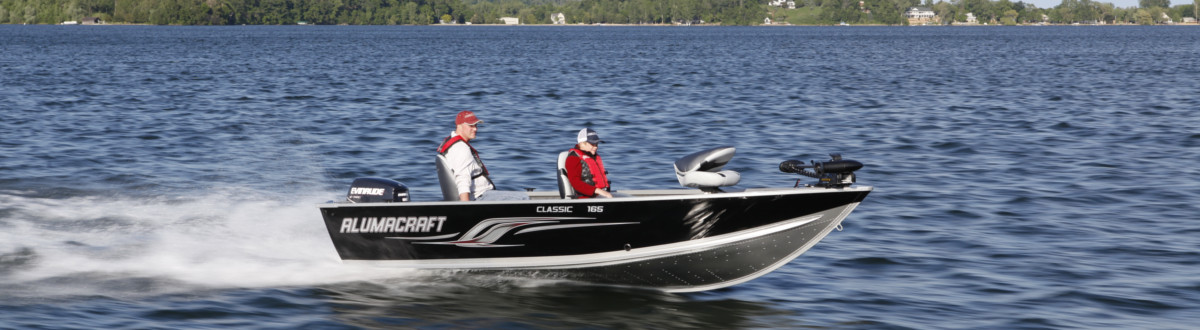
[(678, 240)]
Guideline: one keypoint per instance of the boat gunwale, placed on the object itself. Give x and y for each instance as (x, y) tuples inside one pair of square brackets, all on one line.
[(647, 195)]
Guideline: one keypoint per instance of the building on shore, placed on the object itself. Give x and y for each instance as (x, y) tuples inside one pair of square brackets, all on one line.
[(920, 16), (971, 20), (510, 20), (789, 4), (84, 21)]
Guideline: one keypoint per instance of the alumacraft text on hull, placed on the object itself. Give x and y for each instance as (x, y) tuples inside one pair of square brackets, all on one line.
[(673, 240)]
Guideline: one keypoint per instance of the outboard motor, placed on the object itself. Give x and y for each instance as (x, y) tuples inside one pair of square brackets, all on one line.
[(703, 170), (835, 173), (377, 190)]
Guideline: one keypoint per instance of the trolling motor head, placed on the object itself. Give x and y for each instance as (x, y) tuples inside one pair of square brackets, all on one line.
[(835, 173)]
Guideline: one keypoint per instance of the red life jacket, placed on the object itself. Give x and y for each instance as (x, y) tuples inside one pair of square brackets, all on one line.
[(450, 141), (593, 169)]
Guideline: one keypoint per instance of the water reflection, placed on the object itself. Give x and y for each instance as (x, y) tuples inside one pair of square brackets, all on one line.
[(474, 301)]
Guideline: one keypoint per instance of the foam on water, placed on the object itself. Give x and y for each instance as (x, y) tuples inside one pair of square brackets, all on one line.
[(221, 239)]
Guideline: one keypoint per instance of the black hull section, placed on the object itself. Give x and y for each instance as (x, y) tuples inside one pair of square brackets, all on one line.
[(703, 267), (675, 242)]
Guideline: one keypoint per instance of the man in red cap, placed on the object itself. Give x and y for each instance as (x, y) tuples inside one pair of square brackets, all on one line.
[(470, 175)]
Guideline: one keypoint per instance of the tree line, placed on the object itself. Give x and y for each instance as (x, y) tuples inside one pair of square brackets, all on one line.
[(378, 12), (425, 12), (999, 12), (1004, 12)]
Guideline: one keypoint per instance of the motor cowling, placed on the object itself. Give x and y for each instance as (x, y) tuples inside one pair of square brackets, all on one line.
[(377, 190), (704, 170)]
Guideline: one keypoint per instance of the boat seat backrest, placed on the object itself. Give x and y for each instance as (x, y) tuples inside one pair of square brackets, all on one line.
[(446, 179), (564, 184), (703, 169)]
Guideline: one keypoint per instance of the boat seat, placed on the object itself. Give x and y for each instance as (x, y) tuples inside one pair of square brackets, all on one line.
[(446, 179), (565, 191), (703, 170)]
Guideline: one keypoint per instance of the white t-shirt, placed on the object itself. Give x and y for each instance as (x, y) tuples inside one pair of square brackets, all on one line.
[(464, 166)]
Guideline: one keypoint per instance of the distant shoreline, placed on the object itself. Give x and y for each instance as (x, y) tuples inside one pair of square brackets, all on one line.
[(632, 25)]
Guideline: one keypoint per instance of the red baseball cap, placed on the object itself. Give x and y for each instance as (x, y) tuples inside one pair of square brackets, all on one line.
[(468, 117)]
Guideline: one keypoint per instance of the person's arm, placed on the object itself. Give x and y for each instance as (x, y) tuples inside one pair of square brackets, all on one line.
[(602, 193), (575, 175), (608, 185)]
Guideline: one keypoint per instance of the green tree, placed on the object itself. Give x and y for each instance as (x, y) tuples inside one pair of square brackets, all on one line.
[(981, 9), (1143, 17), (1154, 3), (73, 11), (945, 12), (1125, 15), (1106, 12), (30, 15), (411, 12), (1085, 11), (1156, 14), (1029, 14), (1010, 17)]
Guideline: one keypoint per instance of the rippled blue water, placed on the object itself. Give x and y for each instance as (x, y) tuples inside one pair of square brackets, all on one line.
[(1025, 177)]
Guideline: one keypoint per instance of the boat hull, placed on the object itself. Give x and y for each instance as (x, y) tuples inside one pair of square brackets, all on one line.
[(699, 265), (674, 242)]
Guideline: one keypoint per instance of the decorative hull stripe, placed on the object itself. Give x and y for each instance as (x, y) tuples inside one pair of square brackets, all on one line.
[(424, 238), (530, 230), (487, 232)]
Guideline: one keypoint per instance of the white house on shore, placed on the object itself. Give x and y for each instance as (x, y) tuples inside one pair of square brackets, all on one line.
[(510, 20), (790, 4), (84, 21), (920, 16)]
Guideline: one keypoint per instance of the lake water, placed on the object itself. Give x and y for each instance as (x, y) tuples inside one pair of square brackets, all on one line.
[(1026, 177)]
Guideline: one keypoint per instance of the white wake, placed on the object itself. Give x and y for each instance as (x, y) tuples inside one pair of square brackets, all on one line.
[(222, 239)]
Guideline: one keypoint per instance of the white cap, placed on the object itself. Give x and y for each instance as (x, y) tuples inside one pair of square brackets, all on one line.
[(588, 135)]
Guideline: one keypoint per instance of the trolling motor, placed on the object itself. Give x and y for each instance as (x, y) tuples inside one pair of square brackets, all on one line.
[(835, 173)]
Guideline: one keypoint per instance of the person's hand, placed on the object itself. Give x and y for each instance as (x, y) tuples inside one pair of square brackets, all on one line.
[(605, 194)]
